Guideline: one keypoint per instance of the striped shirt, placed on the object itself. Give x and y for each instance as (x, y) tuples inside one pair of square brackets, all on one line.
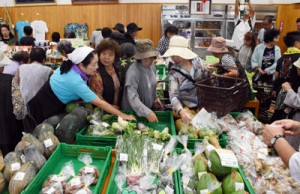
[(182, 91)]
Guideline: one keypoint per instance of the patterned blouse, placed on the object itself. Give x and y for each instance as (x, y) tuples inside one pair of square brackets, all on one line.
[(182, 91), (102, 85)]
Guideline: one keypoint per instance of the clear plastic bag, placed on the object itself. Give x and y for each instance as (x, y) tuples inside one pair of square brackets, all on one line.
[(147, 183), (55, 188), (88, 169), (55, 179), (88, 179), (74, 185)]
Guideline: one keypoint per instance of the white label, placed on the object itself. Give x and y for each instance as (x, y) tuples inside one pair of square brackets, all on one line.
[(204, 191), (105, 124), (227, 158), (19, 176), (89, 169), (169, 190), (48, 143), (82, 191), (157, 147), (270, 192), (123, 157), (263, 151), (15, 166), (50, 191), (239, 186), (200, 174), (75, 181), (261, 156), (23, 158)]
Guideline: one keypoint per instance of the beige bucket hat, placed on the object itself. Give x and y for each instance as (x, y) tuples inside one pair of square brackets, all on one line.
[(218, 45), (145, 49), (179, 46)]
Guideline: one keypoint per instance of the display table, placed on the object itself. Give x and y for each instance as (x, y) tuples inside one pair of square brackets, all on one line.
[(113, 159), (253, 104)]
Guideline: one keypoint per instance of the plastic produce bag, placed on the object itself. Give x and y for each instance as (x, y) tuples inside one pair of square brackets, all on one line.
[(61, 178), (55, 188), (75, 184), (88, 179), (147, 183), (88, 169)]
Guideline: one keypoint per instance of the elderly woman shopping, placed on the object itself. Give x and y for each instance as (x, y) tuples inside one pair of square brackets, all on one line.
[(140, 82), (187, 68)]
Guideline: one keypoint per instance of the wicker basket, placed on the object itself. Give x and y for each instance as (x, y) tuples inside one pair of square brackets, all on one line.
[(222, 94)]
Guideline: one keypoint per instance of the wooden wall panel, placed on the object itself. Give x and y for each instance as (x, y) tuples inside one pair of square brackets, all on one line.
[(57, 17), (145, 15), (287, 14)]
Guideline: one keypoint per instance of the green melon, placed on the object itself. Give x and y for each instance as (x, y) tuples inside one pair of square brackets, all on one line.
[(240, 192), (232, 183), (200, 164), (216, 167), (207, 181), (70, 106)]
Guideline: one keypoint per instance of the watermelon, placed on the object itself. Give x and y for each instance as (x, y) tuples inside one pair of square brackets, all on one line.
[(209, 182), (215, 166), (232, 182)]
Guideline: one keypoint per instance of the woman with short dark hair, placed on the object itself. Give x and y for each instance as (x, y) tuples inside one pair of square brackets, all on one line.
[(163, 44), (6, 36), (265, 56)]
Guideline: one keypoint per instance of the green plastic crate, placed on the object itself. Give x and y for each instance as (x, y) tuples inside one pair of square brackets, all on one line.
[(248, 186), (113, 189), (165, 120), (64, 153), (161, 71), (191, 142)]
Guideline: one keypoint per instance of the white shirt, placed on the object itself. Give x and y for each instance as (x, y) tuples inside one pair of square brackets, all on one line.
[(294, 165), (39, 29), (261, 34), (240, 30), (96, 37)]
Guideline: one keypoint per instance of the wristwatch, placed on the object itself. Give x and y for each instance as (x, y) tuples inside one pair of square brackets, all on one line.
[(274, 139)]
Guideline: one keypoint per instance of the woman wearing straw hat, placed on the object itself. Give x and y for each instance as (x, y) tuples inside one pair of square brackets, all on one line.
[(187, 69), (140, 82), (227, 66)]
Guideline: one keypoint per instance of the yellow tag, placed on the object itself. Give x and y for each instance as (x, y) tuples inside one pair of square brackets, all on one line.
[(85, 187), (185, 147), (59, 174), (170, 170)]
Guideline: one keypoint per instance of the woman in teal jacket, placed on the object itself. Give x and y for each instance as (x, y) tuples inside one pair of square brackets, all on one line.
[(265, 56)]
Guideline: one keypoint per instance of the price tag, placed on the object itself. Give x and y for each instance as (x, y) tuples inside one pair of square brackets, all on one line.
[(200, 174), (19, 176), (89, 169), (105, 124), (15, 166), (227, 158), (169, 190), (48, 143), (157, 147), (50, 191), (123, 157), (204, 191), (261, 156), (239, 186), (75, 181), (270, 192), (82, 191), (23, 158)]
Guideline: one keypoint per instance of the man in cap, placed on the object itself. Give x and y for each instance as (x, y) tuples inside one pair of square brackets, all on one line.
[(131, 33)]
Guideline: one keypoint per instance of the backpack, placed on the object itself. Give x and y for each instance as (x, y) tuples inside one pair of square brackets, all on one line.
[(249, 22)]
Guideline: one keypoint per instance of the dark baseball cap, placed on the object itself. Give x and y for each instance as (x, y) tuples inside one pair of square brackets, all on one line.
[(119, 27), (132, 27)]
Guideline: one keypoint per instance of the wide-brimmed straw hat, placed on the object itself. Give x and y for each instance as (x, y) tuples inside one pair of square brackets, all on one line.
[(179, 46), (145, 49), (218, 45)]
